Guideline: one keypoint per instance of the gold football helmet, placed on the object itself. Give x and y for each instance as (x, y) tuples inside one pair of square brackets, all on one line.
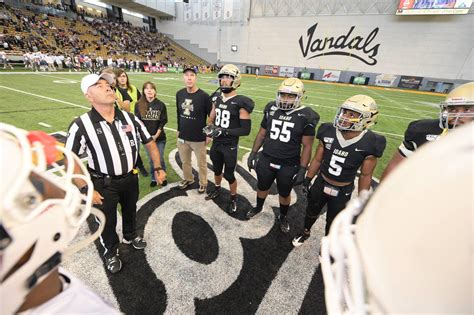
[(458, 106), (234, 72), (388, 254), (292, 86), (363, 105), (41, 211)]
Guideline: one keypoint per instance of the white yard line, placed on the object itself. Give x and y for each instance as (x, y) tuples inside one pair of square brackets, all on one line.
[(44, 125), (171, 129), (45, 97)]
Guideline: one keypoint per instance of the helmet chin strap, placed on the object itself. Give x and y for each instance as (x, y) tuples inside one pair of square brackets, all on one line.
[(226, 89)]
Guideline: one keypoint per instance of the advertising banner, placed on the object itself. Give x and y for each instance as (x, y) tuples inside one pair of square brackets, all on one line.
[(287, 72), (410, 82), (387, 80), (271, 70), (331, 75)]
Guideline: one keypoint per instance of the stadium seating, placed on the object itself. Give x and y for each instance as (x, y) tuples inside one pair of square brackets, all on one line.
[(27, 31)]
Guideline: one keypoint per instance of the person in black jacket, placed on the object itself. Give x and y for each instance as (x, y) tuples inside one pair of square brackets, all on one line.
[(152, 112)]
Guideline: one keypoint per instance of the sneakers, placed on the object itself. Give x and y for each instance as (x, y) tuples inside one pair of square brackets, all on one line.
[(202, 189), (153, 184), (232, 206), (164, 183), (252, 212), (284, 224), (213, 194), (300, 239), (185, 183), (137, 242), (114, 264)]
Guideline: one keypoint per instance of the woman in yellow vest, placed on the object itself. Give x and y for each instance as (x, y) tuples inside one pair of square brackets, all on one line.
[(126, 92), (128, 95)]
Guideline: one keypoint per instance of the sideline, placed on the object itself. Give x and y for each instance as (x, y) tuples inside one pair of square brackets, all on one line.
[(262, 76)]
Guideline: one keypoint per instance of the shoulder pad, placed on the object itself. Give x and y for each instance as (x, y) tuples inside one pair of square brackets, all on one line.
[(246, 103), (380, 144), (313, 117)]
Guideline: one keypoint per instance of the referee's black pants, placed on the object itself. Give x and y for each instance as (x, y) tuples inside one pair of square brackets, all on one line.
[(117, 190)]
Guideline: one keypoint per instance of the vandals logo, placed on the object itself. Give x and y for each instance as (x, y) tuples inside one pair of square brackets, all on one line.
[(345, 45)]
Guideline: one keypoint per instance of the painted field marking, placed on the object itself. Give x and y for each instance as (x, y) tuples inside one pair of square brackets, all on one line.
[(44, 125)]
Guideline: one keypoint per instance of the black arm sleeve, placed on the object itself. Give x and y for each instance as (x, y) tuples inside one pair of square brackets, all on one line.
[(244, 130)]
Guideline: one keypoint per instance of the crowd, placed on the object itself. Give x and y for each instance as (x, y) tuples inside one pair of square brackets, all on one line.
[(35, 32)]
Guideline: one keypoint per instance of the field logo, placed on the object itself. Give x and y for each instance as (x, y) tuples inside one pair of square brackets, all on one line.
[(344, 45)]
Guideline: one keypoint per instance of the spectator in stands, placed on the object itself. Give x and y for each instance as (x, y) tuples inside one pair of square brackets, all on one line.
[(153, 113)]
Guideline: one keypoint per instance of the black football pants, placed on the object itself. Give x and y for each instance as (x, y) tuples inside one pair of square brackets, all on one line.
[(317, 199), (123, 191)]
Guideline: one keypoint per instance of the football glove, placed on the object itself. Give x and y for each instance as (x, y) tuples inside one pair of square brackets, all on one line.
[(299, 177), (306, 185), (212, 131), (252, 161)]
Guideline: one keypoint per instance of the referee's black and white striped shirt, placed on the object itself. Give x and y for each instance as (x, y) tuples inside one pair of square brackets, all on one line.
[(111, 148)]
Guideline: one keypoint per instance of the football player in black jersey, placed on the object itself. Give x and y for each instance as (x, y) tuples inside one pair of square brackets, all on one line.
[(457, 109), (230, 119), (344, 147), (286, 125)]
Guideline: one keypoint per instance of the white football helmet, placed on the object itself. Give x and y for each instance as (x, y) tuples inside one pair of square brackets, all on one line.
[(234, 72), (363, 105), (463, 95), (292, 86), (41, 211), (407, 249)]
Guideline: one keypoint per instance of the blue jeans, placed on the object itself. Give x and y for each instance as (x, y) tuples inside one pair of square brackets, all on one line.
[(161, 148)]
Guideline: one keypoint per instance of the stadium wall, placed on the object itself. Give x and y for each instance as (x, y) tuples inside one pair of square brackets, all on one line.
[(200, 37), (427, 46)]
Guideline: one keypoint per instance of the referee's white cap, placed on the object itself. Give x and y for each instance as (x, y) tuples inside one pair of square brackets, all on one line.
[(91, 79)]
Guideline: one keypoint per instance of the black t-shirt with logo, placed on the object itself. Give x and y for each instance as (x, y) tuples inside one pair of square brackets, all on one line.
[(155, 118), (418, 133), (342, 158), (228, 114), (285, 130), (192, 112)]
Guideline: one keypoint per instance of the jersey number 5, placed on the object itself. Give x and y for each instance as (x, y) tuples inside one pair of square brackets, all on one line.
[(222, 118), (335, 168), (281, 130)]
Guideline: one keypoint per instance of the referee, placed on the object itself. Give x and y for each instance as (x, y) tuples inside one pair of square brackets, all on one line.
[(109, 137)]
